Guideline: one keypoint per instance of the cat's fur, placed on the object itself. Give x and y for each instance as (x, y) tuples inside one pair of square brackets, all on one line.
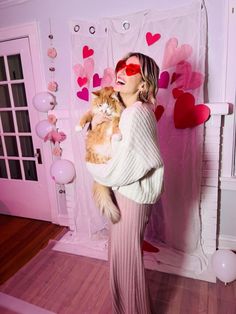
[(98, 144)]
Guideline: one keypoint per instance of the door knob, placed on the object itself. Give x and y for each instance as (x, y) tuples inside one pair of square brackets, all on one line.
[(38, 156)]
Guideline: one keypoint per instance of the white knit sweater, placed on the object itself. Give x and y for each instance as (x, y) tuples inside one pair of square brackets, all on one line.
[(136, 168)]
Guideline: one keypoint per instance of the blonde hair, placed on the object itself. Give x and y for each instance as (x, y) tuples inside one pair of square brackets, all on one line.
[(150, 74)]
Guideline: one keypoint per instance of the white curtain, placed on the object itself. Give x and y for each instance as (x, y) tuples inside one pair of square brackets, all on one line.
[(176, 40)]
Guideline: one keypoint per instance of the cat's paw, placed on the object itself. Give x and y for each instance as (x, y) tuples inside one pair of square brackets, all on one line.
[(117, 137), (78, 128)]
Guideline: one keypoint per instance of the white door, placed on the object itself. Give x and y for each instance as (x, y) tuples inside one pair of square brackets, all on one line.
[(23, 185)]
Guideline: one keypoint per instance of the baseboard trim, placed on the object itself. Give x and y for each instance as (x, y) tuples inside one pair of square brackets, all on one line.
[(227, 242), (165, 260)]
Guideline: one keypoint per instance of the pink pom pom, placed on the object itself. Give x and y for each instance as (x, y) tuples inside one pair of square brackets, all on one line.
[(52, 53), (57, 151), (52, 119), (52, 86)]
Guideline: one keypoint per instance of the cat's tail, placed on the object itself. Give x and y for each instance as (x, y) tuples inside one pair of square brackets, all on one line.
[(103, 200)]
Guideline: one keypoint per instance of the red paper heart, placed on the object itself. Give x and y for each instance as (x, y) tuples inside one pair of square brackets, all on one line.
[(87, 52), (159, 112), (148, 247), (188, 79), (187, 114), (174, 77), (176, 92), (96, 80), (83, 94), (152, 38), (82, 81)]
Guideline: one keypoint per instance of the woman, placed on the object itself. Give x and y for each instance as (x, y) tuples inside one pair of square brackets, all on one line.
[(135, 174)]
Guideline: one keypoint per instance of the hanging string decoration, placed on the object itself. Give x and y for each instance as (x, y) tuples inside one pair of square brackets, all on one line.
[(62, 171), (54, 135), (52, 54)]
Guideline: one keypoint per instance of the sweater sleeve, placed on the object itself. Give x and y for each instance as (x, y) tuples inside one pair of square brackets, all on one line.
[(135, 155)]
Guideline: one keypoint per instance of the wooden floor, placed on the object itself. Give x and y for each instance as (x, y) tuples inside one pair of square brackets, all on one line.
[(70, 284), (20, 240)]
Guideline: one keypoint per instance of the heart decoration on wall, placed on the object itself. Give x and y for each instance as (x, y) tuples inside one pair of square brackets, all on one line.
[(88, 67), (152, 38), (87, 52), (187, 114), (186, 78), (159, 112), (83, 94), (163, 81), (176, 92), (96, 80), (78, 69), (82, 81), (174, 54), (108, 77), (174, 77)]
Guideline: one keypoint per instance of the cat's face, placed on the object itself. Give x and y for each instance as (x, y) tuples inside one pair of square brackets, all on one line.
[(106, 102), (105, 108)]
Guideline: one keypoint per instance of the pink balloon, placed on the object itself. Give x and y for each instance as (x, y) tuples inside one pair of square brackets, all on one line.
[(44, 101), (62, 171), (43, 127), (224, 265)]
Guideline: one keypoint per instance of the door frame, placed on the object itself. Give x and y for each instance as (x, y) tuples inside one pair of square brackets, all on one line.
[(31, 31)]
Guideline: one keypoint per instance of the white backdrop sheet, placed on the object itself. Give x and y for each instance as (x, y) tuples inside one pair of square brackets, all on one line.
[(176, 39)]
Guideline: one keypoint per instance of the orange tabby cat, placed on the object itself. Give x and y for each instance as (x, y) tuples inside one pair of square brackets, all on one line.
[(98, 143)]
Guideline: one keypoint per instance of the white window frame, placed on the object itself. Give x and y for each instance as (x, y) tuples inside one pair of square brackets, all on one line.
[(228, 166)]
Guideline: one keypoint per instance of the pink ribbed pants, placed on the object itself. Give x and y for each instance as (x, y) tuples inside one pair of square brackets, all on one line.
[(129, 290)]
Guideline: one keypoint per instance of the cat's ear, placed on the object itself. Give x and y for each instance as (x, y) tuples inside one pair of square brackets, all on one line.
[(96, 93)]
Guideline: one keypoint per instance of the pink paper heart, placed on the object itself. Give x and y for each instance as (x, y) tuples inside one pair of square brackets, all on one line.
[(88, 67), (78, 69), (108, 77), (163, 81), (83, 94), (188, 79), (174, 54), (96, 80), (82, 81), (152, 38), (87, 52)]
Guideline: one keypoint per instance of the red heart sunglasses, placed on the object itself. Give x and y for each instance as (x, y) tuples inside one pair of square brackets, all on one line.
[(130, 69)]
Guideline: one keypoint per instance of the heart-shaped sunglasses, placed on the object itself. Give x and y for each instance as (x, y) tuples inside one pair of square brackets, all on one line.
[(130, 69)]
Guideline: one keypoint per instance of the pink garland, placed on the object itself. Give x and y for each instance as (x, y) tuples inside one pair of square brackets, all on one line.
[(54, 136)]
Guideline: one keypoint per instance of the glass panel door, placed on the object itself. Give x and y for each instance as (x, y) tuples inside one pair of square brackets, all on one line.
[(17, 159), (23, 175)]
